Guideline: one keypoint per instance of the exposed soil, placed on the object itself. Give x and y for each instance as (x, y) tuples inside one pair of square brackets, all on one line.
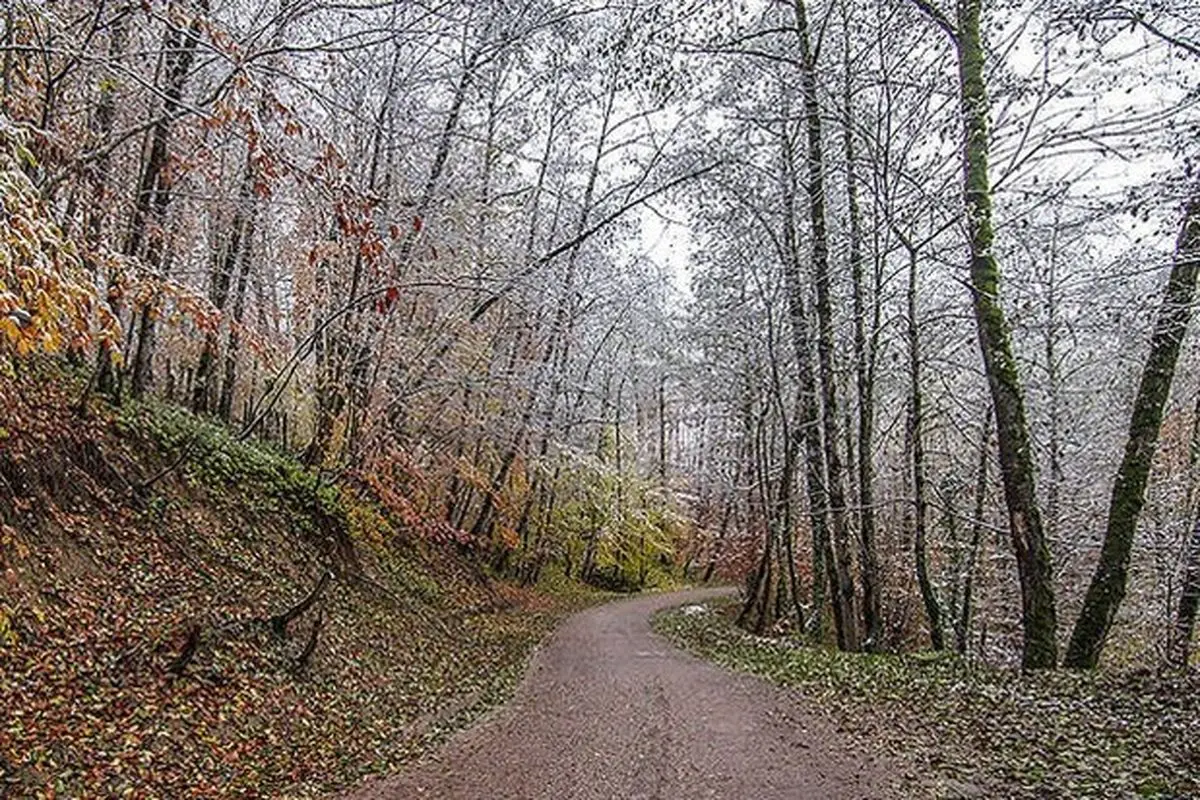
[(608, 709)]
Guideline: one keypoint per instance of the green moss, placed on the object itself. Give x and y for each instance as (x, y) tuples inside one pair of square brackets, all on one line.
[(260, 474)]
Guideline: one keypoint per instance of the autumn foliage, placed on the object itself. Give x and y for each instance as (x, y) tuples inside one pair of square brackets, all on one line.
[(49, 300)]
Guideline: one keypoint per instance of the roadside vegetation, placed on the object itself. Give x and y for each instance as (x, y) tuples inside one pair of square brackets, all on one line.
[(183, 614), (343, 343), (961, 729)]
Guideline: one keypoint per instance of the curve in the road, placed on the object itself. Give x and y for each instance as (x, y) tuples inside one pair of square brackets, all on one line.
[(609, 710)]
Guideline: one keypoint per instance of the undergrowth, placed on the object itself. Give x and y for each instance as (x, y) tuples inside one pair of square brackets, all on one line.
[(208, 453), (137, 651), (960, 730)]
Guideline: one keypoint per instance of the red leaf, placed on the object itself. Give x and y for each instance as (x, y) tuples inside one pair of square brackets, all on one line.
[(418, 223), (393, 294)]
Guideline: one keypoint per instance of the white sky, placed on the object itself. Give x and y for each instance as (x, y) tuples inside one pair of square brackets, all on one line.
[(666, 240)]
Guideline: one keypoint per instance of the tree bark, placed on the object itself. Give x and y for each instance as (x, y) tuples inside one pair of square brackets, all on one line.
[(962, 620), (234, 340), (102, 128), (1038, 615), (564, 318), (864, 383), (1107, 588), (933, 612), (1189, 602), (807, 428), (848, 636), (225, 263), (147, 237)]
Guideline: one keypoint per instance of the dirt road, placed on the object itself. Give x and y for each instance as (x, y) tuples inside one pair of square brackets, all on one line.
[(610, 710)]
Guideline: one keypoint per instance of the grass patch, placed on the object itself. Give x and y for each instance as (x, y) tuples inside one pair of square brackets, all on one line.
[(958, 730)]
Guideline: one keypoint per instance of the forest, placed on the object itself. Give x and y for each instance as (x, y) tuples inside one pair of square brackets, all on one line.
[(877, 309)]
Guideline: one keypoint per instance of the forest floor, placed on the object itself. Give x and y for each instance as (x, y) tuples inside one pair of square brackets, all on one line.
[(138, 654), (610, 711), (146, 556), (960, 730)]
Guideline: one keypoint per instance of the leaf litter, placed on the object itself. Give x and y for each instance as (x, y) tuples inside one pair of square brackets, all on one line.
[(100, 596), (965, 730)]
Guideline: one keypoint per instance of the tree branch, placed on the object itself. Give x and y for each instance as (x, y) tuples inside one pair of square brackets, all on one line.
[(939, 17), (575, 241), (1183, 44)]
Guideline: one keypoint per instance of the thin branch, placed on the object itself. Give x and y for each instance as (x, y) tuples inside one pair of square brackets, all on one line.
[(575, 241), (939, 17)]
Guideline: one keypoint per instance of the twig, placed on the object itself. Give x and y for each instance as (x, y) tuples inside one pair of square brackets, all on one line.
[(279, 622)]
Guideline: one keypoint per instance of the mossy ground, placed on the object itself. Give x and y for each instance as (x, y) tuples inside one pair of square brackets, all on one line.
[(960, 730)]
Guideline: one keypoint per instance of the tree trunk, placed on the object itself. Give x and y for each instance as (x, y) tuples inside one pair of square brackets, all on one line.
[(1038, 614), (848, 638), (1107, 588), (147, 237), (753, 616), (864, 384), (565, 311), (1189, 602), (329, 396), (962, 621), (225, 263), (1054, 479), (344, 357), (233, 342), (715, 554), (662, 430), (933, 612), (102, 127), (731, 501), (483, 522), (808, 426)]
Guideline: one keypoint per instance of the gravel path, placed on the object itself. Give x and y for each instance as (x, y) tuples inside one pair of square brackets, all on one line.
[(609, 710)]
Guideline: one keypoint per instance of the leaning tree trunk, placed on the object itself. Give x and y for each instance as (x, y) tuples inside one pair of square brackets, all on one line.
[(1038, 616), (1107, 588)]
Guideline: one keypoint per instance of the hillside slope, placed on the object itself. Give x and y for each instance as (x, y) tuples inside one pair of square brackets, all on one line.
[(235, 628)]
